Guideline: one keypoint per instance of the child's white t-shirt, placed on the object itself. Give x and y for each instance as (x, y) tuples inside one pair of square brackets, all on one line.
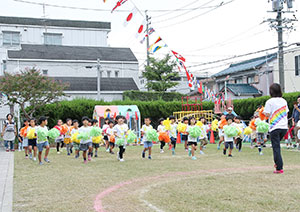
[(278, 110), (110, 132), (203, 132), (298, 124), (84, 129), (173, 131), (120, 130), (227, 138), (161, 128), (104, 128), (144, 130)]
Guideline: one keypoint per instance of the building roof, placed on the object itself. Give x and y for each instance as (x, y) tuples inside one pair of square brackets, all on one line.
[(54, 22), (53, 52), (246, 65), (242, 90), (90, 84)]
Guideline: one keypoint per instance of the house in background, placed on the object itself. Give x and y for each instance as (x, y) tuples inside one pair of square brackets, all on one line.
[(64, 49), (250, 78)]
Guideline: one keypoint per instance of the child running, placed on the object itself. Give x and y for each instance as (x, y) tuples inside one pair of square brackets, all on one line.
[(260, 138), (43, 142), (67, 137), (161, 129), (96, 144), (173, 133), (221, 133), (120, 131), (184, 135), (76, 142), (203, 136), (228, 140), (85, 145), (147, 144), (192, 141), (111, 137), (60, 139), (23, 133), (239, 138), (104, 130), (32, 140)]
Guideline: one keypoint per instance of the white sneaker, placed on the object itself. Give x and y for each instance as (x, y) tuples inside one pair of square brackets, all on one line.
[(118, 158), (107, 150), (201, 152), (34, 159), (161, 151), (261, 153), (122, 160)]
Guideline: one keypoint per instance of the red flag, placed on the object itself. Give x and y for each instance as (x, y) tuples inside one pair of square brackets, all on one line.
[(119, 3), (136, 116), (159, 39), (200, 87), (130, 16), (115, 115), (178, 56)]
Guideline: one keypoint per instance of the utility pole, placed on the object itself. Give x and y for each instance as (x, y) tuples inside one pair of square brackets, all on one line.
[(280, 24), (147, 33), (98, 79)]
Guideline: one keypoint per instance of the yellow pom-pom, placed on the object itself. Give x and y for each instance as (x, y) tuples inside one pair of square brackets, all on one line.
[(31, 134), (247, 131), (199, 124), (167, 124), (97, 140), (74, 138), (214, 125), (181, 127)]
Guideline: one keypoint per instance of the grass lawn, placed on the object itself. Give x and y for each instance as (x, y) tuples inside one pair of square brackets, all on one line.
[(214, 182)]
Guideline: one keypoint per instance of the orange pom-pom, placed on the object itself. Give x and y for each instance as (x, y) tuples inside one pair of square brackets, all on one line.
[(222, 123), (252, 125), (112, 139), (23, 132), (163, 136), (64, 129), (262, 115)]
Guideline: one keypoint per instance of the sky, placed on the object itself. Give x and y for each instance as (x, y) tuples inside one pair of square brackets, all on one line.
[(202, 30)]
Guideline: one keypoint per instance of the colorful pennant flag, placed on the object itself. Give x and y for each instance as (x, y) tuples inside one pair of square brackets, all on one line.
[(130, 16), (178, 56), (200, 87), (150, 32), (119, 4)]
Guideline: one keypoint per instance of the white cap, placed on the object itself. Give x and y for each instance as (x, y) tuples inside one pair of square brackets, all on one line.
[(230, 108)]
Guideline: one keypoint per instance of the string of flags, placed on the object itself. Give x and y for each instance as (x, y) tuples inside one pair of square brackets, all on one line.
[(158, 44)]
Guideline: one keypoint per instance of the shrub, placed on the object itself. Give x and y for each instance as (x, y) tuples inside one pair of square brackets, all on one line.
[(151, 96)]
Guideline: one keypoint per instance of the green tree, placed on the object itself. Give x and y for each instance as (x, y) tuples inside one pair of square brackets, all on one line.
[(31, 88), (160, 74)]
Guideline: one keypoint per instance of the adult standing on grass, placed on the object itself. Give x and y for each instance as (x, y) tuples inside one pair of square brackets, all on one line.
[(9, 133), (277, 110), (295, 119)]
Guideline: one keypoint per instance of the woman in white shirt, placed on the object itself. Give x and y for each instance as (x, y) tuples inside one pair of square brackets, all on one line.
[(277, 110)]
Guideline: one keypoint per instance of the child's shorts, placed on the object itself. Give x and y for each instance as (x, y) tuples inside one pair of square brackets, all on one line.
[(203, 141), (67, 140), (261, 137), (148, 144), (112, 144), (25, 142), (173, 141), (229, 145), (184, 137), (192, 143), (96, 145), (43, 145), (32, 142), (105, 138), (58, 140), (84, 147), (76, 146)]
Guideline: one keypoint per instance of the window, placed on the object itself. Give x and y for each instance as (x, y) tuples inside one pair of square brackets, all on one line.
[(297, 65), (108, 74), (116, 74), (238, 81), (250, 79), (45, 72), (11, 38), (52, 39)]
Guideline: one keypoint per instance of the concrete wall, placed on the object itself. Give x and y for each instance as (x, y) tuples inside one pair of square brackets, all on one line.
[(292, 82)]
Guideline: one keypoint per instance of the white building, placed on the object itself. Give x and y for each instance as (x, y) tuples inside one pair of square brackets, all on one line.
[(68, 50)]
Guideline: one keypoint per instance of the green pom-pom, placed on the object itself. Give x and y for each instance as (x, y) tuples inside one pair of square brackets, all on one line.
[(53, 133), (96, 132), (120, 141), (195, 132), (42, 134), (152, 135), (131, 137), (262, 127), (83, 136), (231, 131)]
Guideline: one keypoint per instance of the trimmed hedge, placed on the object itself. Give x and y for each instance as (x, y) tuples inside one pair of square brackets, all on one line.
[(78, 108), (151, 96)]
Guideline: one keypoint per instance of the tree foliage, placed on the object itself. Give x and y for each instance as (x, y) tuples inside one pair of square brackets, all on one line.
[(30, 87), (160, 74)]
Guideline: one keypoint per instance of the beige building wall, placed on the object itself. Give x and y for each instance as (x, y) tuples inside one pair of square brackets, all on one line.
[(292, 82)]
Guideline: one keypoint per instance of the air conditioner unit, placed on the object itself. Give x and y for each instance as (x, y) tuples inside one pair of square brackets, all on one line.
[(289, 3), (277, 5)]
